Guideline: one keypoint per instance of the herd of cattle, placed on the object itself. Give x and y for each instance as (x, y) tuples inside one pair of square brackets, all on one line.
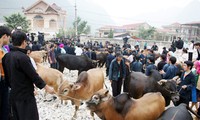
[(146, 99)]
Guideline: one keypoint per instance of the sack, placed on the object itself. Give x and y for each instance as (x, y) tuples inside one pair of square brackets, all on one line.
[(198, 83)]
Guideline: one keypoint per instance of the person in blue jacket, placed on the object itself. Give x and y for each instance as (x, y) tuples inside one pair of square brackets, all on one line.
[(150, 66), (117, 74), (171, 70), (137, 65)]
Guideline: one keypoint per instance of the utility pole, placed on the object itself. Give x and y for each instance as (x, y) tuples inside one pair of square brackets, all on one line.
[(76, 24)]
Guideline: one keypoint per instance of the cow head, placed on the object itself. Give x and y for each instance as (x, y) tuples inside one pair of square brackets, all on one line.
[(69, 91), (98, 99), (171, 89), (64, 90)]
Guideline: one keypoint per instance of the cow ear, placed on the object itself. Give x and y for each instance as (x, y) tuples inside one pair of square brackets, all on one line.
[(76, 87), (106, 92)]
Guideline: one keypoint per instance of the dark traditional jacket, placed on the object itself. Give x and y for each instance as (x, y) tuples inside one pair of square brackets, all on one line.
[(116, 70), (150, 67), (171, 72), (20, 74), (136, 66), (189, 80)]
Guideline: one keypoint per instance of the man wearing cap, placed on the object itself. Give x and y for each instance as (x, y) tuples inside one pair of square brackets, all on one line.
[(21, 77), (117, 74)]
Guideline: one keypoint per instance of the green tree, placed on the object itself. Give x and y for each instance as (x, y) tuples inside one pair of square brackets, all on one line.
[(70, 33), (146, 33), (82, 26), (61, 33), (15, 20), (111, 34)]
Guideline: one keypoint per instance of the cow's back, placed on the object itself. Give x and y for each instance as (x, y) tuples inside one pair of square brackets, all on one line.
[(73, 62), (95, 80), (52, 77), (149, 107), (137, 84), (176, 113)]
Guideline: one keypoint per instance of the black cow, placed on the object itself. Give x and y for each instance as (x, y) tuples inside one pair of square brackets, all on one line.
[(177, 113), (73, 62), (141, 84), (101, 57)]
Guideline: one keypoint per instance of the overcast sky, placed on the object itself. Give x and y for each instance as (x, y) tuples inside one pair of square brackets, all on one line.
[(99, 13), (123, 11)]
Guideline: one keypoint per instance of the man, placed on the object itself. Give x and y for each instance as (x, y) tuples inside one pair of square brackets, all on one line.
[(117, 74), (150, 66), (191, 50), (52, 57), (179, 45), (137, 65), (171, 70), (109, 59), (4, 40), (78, 50), (154, 47), (162, 63), (57, 52), (21, 76), (197, 46)]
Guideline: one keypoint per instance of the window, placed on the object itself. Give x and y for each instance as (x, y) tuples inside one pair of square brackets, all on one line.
[(52, 24), (38, 21)]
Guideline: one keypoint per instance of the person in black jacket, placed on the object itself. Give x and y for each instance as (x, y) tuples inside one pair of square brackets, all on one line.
[(109, 59), (154, 47), (186, 83), (21, 77), (127, 78), (117, 74), (197, 46), (162, 63), (179, 43)]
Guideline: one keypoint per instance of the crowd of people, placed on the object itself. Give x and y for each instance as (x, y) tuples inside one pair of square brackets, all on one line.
[(18, 76)]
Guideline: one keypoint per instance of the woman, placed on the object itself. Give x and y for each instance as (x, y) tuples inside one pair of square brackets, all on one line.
[(186, 83), (196, 72)]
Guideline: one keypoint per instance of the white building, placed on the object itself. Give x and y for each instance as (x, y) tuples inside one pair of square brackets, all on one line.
[(45, 18)]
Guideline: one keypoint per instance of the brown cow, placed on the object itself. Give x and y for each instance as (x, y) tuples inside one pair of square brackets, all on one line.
[(38, 56), (52, 77), (86, 85), (122, 107)]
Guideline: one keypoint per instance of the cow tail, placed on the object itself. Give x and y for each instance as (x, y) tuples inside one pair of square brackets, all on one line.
[(193, 112)]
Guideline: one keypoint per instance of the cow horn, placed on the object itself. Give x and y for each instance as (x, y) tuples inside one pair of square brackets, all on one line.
[(95, 61), (162, 81), (175, 78)]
